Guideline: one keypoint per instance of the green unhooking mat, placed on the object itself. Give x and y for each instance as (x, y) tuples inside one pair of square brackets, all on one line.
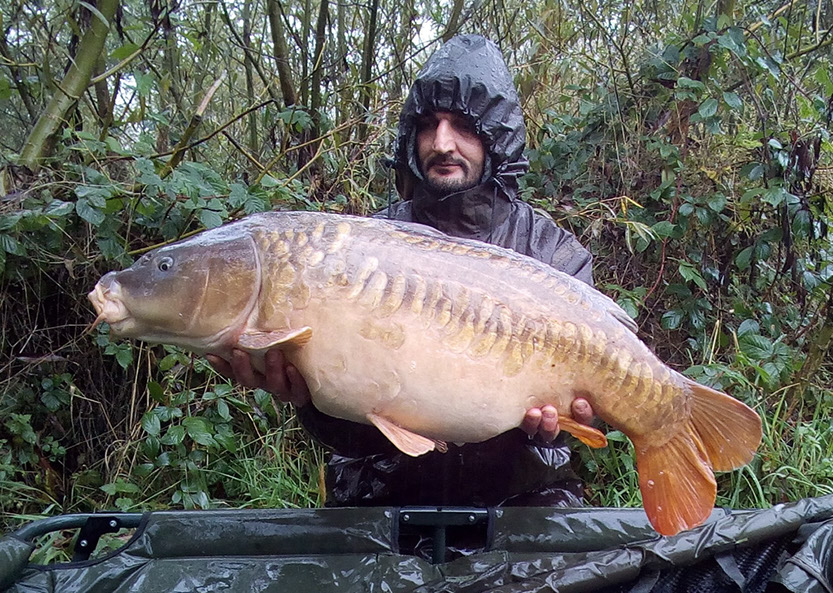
[(422, 550)]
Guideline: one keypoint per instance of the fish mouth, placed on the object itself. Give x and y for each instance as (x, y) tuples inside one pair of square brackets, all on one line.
[(109, 306)]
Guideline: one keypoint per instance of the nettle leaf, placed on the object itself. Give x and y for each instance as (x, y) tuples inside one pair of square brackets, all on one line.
[(672, 319), (755, 346), (238, 195)]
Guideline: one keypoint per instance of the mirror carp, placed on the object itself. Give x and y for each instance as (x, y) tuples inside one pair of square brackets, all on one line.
[(434, 340)]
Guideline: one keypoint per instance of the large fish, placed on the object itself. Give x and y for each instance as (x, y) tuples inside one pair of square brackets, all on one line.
[(434, 340)]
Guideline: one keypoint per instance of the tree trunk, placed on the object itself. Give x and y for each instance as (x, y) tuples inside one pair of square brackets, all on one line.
[(250, 86), (367, 63), (318, 67), (453, 20), (273, 7), (41, 140), (305, 27)]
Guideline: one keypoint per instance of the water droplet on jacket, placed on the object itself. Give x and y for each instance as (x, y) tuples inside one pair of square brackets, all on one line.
[(650, 484)]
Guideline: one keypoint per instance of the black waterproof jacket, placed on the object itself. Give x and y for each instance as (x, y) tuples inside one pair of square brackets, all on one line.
[(467, 76)]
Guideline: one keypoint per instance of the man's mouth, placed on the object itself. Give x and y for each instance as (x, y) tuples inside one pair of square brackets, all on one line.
[(446, 166)]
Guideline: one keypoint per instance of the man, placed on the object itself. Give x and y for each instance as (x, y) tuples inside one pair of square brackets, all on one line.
[(459, 156)]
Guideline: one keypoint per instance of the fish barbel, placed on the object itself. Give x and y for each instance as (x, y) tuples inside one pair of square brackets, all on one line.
[(432, 340)]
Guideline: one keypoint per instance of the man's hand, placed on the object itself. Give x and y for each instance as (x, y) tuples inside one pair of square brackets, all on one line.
[(544, 421), (280, 378)]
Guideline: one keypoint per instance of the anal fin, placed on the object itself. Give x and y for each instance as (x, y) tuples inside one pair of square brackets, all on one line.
[(406, 441), (586, 434), (256, 341)]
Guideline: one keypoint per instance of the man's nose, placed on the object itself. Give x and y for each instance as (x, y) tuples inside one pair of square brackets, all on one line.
[(444, 137)]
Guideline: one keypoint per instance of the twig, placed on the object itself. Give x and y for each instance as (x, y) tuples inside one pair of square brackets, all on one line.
[(182, 145), (244, 152)]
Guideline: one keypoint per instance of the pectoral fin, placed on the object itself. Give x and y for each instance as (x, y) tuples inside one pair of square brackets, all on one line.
[(586, 434), (406, 441), (254, 340)]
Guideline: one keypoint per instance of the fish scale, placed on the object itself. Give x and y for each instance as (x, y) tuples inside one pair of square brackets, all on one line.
[(434, 340)]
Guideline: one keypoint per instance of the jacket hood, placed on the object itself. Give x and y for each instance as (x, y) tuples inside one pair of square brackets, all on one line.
[(467, 75)]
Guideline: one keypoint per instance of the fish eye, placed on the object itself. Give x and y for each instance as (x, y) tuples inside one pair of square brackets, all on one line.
[(165, 264)]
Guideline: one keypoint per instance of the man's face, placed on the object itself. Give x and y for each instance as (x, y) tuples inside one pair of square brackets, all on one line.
[(451, 154)]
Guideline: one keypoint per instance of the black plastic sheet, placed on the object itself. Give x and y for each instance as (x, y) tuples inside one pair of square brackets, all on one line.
[(785, 548)]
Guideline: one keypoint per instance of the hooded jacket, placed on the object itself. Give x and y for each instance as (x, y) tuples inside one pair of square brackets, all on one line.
[(466, 76)]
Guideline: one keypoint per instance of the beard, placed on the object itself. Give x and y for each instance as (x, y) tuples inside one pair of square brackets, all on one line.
[(448, 185)]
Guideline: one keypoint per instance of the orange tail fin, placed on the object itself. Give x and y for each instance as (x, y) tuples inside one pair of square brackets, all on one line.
[(675, 477)]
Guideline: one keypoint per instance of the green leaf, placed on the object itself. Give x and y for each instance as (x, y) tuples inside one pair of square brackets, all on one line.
[(749, 326), (708, 108), (11, 245), (5, 89), (151, 423), (198, 429), (774, 196), (664, 228), (755, 346), (692, 274), (174, 435), (124, 51), (732, 100), (716, 202), (688, 83), (269, 182), (156, 392), (222, 410), (672, 319), (89, 213), (124, 356), (210, 219), (744, 258)]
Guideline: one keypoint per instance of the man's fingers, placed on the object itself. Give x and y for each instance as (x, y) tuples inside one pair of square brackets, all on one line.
[(275, 377), (244, 372), (549, 422), (531, 421), (582, 411), (220, 365), (298, 390)]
